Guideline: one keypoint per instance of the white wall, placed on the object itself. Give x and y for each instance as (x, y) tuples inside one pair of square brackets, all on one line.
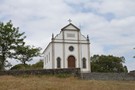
[(48, 57), (74, 53), (59, 36), (85, 51), (71, 35), (58, 49)]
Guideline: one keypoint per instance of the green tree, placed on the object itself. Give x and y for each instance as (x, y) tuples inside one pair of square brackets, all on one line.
[(20, 67), (0, 62), (107, 64), (10, 38), (38, 65), (26, 53)]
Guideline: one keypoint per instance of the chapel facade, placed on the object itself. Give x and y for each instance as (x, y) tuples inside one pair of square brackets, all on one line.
[(68, 49)]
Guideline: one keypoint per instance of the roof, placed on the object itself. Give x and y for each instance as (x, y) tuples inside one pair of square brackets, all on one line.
[(69, 25)]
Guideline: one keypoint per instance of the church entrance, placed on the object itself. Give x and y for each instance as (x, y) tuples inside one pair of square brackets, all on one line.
[(71, 62)]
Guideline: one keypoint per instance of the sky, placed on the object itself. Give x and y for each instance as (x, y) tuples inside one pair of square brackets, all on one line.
[(110, 24)]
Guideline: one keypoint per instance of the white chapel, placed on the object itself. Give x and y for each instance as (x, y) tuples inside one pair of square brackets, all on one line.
[(68, 49)]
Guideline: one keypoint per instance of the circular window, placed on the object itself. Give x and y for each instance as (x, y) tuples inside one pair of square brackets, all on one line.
[(71, 48)]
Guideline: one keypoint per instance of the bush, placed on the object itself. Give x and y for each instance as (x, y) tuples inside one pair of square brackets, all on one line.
[(63, 75), (20, 67), (38, 65)]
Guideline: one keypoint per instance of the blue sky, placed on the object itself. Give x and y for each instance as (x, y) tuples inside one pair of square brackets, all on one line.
[(110, 24)]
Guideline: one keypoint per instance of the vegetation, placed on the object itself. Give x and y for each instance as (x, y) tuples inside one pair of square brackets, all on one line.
[(107, 64), (12, 45), (38, 65), (20, 67), (55, 83), (63, 75), (26, 53), (10, 39)]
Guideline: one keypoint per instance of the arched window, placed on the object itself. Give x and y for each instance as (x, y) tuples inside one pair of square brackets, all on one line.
[(84, 63), (58, 62)]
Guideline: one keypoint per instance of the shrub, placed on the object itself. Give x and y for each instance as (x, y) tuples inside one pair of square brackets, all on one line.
[(20, 67)]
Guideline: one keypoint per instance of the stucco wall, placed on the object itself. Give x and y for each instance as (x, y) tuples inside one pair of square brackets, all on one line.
[(84, 54), (72, 33), (48, 57), (58, 52)]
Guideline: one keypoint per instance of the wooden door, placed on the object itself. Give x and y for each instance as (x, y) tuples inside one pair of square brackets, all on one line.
[(71, 62)]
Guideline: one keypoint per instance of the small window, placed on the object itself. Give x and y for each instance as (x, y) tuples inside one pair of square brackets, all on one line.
[(45, 60), (84, 63), (49, 56), (71, 48), (58, 62)]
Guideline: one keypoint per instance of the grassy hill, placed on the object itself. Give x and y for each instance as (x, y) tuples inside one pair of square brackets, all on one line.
[(57, 83)]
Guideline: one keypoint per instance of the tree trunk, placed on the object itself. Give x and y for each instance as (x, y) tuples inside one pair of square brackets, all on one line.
[(3, 62)]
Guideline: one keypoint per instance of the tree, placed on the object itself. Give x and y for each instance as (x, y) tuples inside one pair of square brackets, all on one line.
[(26, 53), (0, 62), (10, 39), (38, 65), (107, 64), (20, 67)]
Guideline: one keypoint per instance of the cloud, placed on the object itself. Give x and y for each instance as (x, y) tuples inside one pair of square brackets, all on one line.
[(120, 8), (109, 23)]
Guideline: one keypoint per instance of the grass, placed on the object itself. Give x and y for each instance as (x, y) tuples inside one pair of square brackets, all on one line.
[(57, 83)]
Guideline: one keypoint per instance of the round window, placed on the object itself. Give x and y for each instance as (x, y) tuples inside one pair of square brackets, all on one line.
[(71, 48)]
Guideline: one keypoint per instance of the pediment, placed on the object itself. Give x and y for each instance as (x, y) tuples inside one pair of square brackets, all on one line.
[(70, 27)]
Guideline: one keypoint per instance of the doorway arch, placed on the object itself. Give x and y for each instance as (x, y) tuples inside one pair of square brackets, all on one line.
[(71, 61)]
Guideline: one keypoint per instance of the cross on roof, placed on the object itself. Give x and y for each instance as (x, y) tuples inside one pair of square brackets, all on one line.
[(69, 20)]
